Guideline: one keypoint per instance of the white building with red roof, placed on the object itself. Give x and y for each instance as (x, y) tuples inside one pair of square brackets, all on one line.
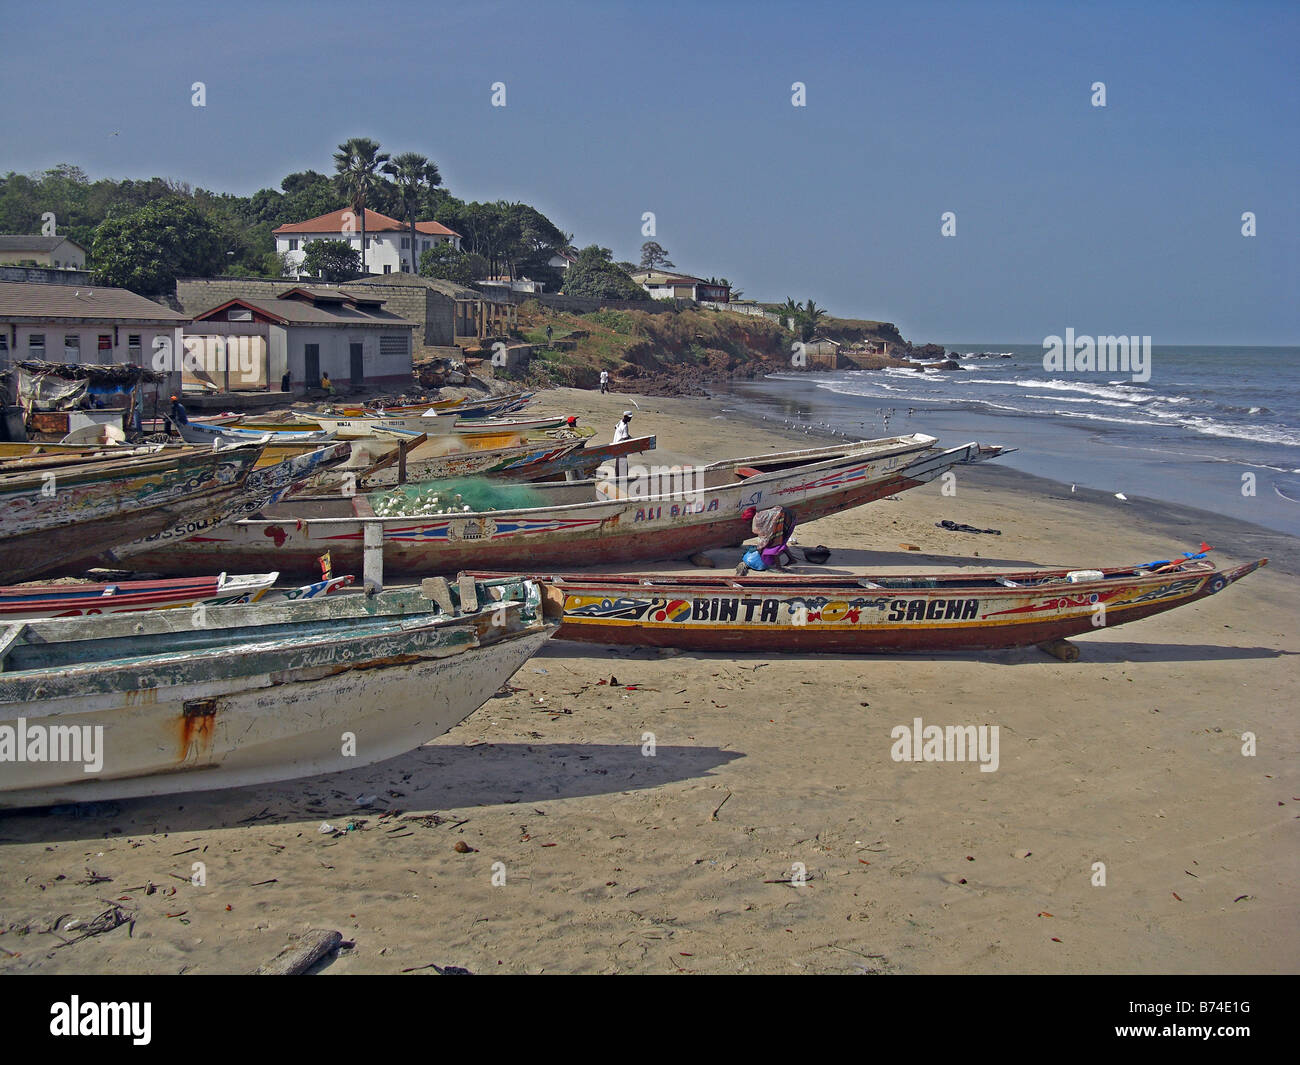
[(388, 241)]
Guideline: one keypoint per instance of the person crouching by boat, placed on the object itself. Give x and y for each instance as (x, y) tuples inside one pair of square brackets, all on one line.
[(179, 415), (774, 528), (327, 384)]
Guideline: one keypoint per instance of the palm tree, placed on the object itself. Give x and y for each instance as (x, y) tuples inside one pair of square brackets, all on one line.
[(413, 174), (813, 316), (357, 162)]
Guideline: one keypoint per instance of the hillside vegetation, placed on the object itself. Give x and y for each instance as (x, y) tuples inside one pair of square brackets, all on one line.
[(668, 353)]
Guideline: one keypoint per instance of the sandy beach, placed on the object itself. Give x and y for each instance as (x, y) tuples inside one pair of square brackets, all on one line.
[(584, 853)]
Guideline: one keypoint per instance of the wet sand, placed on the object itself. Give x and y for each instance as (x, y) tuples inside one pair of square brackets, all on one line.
[(618, 862)]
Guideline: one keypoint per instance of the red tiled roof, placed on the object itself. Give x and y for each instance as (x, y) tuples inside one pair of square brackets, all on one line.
[(436, 229), (375, 223)]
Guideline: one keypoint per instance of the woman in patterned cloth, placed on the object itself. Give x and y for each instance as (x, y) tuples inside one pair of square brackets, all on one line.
[(774, 528)]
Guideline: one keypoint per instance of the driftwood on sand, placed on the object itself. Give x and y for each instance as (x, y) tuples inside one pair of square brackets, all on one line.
[(301, 956)]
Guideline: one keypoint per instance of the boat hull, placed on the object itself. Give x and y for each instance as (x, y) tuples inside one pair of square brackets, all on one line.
[(58, 520), (797, 615), (534, 462), (600, 532), (296, 703), (30, 602)]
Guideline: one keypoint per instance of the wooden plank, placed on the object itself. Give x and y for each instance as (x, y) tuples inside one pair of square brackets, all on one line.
[(437, 589), (468, 593)]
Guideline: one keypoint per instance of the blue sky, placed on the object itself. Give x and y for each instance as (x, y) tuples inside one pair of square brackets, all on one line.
[(1117, 220)]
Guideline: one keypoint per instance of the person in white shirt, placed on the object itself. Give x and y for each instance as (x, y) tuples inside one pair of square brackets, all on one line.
[(622, 430), (604, 381)]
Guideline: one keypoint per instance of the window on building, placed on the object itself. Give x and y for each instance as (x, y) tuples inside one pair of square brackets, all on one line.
[(388, 269), (36, 346), (293, 244), (239, 314), (426, 246), (133, 347), (72, 347), (393, 344), (105, 342), (406, 244)]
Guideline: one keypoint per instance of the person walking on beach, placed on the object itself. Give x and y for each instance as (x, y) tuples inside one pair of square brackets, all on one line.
[(622, 431), (774, 528), (604, 381)]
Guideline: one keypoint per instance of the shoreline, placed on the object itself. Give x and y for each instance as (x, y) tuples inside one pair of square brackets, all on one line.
[(1282, 548)]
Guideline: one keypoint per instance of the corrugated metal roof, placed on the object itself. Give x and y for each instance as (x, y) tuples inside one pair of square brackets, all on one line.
[(299, 312), (23, 299), (27, 242)]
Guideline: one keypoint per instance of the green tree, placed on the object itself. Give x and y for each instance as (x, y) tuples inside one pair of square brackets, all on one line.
[(412, 173), (357, 163), (331, 260), (445, 262), (145, 250), (812, 318), (653, 257), (596, 276)]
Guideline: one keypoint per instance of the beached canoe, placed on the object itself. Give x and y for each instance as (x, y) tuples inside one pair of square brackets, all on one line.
[(487, 407), (871, 614), (35, 455), (263, 487), (59, 518), (569, 523), (27, 602), (30, 602), (163, 702), (194, 433), (537, 461)]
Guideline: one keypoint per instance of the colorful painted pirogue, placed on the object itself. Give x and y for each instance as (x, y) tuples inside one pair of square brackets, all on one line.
[(488, 407), (867, 615), (263, 487), (570, 523), (195, 433), (30, 602), (163, 702), (534, 461), (57, 517)]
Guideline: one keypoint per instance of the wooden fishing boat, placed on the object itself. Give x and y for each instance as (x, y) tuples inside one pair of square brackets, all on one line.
[(27, 602), (475, 426), (56, 519), (565, 523), (194, 433), (261, 488), (502, 431), (163, 702), (535, 461), (31, 455), (30, 602), (488, 407), (872, 614)]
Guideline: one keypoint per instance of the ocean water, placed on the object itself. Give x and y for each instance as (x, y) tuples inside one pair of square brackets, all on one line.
[(1216, 428)]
